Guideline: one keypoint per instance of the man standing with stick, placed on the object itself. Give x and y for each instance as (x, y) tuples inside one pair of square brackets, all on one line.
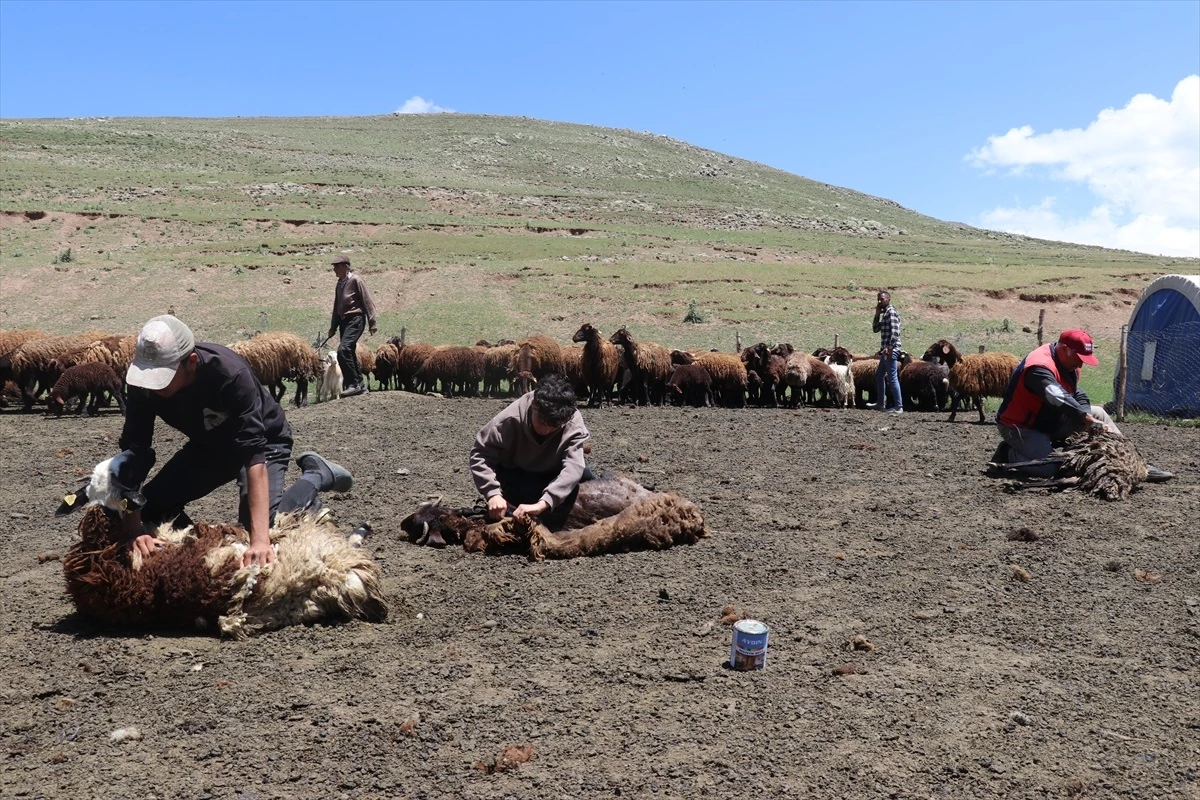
[(352, 310)]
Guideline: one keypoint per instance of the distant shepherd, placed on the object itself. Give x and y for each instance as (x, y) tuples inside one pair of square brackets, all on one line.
[(352, 306)]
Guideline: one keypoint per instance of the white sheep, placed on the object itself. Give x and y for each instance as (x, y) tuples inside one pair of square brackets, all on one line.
[(330, 387)]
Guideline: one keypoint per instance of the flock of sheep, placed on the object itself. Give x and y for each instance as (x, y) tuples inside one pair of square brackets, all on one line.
[(613, 369)]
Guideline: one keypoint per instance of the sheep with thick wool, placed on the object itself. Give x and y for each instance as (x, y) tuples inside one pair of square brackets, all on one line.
[(386, 357), (611, 514), (89, 382), (974, 376), (39, 361), (409, 360), (196, 582), (276, 356), (115, 350), (924, 386), (728, 377), (535, 358), (864, 371), (458, 369), (601, 364), (498, 363), (649, 365)]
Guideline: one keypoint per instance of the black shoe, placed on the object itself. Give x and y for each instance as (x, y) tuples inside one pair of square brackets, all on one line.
[(358, 388), (333, 476), (1001, 454), (1156, 475)]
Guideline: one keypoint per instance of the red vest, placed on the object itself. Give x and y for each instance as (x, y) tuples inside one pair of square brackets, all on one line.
[(1021, 407)]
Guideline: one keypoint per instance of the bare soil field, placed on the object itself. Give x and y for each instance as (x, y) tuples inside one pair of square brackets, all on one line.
[(1082, 681)]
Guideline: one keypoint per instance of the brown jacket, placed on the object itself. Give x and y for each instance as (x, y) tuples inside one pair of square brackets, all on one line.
[(351, 297), (508, 441)]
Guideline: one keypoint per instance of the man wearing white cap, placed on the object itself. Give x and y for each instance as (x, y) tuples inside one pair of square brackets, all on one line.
[(235, 430)]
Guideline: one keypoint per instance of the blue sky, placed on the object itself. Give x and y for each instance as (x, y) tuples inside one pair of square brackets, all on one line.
[(947, 108)]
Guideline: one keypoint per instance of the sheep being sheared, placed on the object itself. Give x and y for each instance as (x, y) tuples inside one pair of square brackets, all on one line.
[(1103, 463), (196, 581), (611, 515)]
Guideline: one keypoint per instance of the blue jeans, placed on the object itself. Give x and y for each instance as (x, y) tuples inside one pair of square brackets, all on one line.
[(887, 375)]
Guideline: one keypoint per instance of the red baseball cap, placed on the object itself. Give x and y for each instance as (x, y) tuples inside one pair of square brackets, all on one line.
[(1080, 343)]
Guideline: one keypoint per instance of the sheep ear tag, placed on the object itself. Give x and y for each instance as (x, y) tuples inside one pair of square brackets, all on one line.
[(131, 500), (72, 502)]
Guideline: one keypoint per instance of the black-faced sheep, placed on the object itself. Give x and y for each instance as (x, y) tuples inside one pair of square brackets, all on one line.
[(38, 362), (690, 384), (88, 382), (277, 356), (649, 366), (601, 364), (973, 376), (611, 515), (923, 385), (458, 370)]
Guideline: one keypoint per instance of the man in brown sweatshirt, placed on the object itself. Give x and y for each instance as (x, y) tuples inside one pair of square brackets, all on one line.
[(352, 308), (528, 461)]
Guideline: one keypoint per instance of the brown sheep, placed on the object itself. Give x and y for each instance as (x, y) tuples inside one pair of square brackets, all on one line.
[(116, 351), (728, 377), (863, 371), (277, 356), (386, 358), (690, 384), (10, 340), (409, 359), (196, 579), (538, 356), (601, 364), (366, 358), (973, 376), (88, 382), (768, 369), (572, 365), (823, 379), (497, 368), (797, 367), (38, 362), (923, 385), (458, 369), (649, 364)]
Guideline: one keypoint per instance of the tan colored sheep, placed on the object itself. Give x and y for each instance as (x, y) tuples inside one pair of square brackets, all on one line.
[(387, 356), (498, 364), (864, 380), (39, 361), (973, 376), (277, 356), (649, 365), (728, 377)]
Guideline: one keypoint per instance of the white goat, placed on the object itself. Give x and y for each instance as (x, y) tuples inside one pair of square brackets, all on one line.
[(330, 387)]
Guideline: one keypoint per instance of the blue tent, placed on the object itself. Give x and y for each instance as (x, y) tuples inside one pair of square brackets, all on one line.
[(1163, 361)]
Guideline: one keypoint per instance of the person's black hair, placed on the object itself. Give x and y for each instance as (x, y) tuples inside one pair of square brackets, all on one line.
[(554, 400)]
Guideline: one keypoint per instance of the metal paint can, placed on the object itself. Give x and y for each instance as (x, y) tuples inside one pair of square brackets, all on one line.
[(749, 650)]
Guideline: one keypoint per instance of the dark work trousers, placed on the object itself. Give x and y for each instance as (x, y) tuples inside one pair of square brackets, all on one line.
[(196, 472), (521, 487), (351, 330)]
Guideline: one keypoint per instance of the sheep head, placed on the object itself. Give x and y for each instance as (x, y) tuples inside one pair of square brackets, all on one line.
[(623, 337), (436, 524), (586, 333), (113, 484)]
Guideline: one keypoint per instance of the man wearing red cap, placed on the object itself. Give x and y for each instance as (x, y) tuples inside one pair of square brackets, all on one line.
[(1043, 402)]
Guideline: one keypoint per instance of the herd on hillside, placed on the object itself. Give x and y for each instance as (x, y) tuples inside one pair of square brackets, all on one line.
[(81, 372)]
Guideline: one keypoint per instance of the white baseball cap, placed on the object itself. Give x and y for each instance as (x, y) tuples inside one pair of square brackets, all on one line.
[(162, 344)]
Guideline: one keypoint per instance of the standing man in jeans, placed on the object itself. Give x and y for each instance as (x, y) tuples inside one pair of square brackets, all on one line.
[(887, 374), (352, 310)]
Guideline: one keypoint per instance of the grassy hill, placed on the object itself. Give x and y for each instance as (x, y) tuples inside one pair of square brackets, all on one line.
[(471, 227)]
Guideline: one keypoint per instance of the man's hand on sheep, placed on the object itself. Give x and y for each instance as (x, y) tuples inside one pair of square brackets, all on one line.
[(260, 553), (497, 505), (526, 511), (144, 544)]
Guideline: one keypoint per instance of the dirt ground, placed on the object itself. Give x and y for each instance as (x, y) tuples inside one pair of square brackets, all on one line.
[(1083, 681)]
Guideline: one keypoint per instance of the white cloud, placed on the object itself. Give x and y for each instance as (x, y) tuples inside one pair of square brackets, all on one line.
[(419, 105), (1141, 164)]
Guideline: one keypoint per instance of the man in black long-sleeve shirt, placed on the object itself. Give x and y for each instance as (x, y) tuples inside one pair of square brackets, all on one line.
[(235, 430)]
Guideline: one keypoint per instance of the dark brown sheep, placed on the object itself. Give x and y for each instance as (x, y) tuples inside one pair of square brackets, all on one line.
[(690, 384), (409, 359), (88, 382), (458, 370), (923, 385)]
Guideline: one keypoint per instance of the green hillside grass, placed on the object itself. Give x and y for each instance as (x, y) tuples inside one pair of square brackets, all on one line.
[(470, 227)]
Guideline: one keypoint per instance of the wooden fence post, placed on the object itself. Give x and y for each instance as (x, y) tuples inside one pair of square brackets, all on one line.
[(1041, 321), (737, 339), (835, 341), (403, 333), (982, 347), (1121, 369)]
